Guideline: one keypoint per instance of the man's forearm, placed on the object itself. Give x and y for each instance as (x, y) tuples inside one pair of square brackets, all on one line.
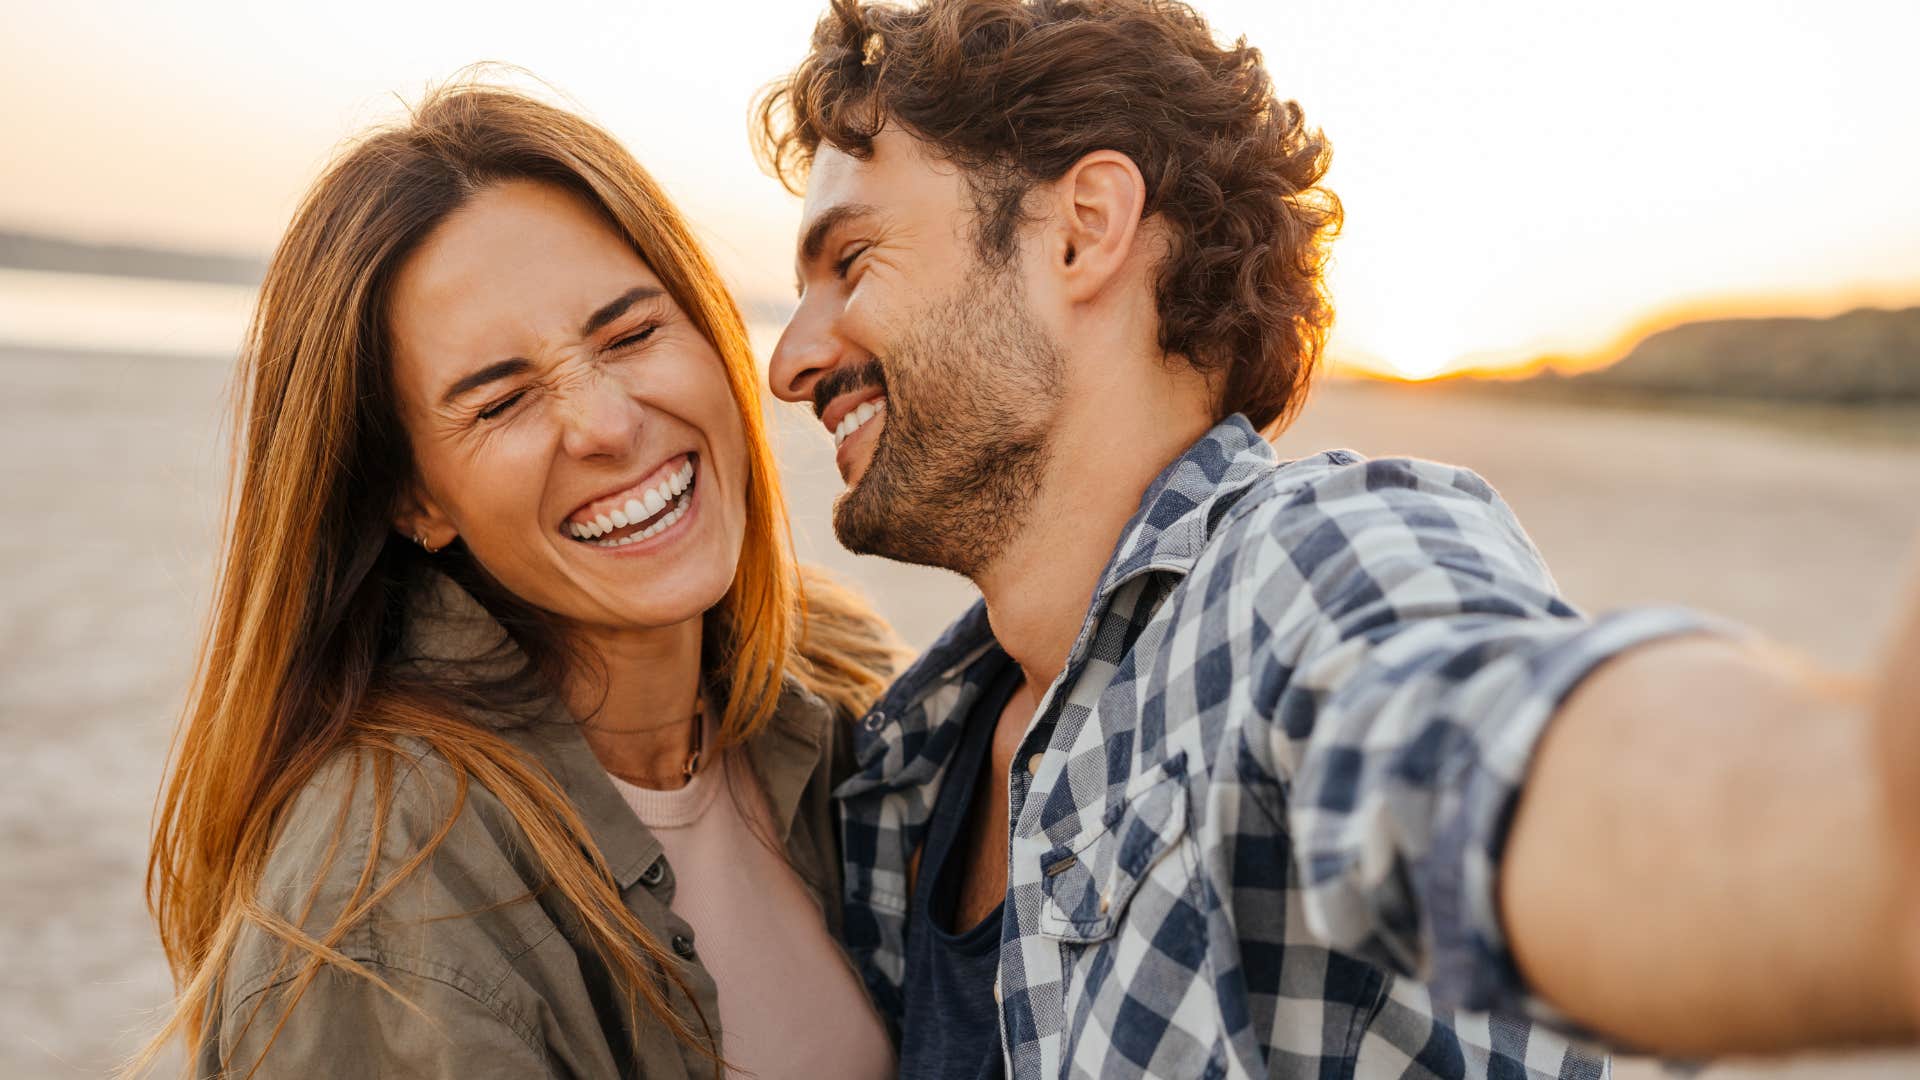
[(1699, 864)]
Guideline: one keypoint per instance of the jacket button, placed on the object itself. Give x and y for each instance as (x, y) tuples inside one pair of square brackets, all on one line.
[(655, 873), (683, 945)]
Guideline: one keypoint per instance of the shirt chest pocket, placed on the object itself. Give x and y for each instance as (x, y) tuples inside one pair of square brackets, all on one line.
[(1088, 881)]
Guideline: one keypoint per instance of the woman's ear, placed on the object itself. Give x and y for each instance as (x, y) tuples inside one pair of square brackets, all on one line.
[(420, 519), (1100, 200)]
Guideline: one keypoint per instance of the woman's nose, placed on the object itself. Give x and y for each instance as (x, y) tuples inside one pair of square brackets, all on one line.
[(808, 348), (600, 419)]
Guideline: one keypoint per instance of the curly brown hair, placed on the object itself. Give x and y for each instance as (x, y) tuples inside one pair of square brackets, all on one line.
[(1017, 91)]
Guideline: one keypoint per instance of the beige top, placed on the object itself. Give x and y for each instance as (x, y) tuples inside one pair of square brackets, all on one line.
[(483, 970), (790, 1004)]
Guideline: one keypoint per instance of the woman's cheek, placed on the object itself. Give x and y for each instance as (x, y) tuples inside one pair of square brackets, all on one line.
[(506, 480)]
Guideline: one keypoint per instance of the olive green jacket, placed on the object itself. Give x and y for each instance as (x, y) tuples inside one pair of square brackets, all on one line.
[(499, 976)]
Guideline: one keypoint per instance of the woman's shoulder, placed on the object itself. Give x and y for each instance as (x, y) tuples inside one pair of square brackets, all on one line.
[(390, 852), (394, 799)]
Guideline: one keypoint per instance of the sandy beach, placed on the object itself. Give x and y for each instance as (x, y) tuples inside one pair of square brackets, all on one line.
[(113, 468)]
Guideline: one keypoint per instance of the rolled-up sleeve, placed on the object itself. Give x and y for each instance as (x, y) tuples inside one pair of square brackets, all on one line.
[(1418, 650)]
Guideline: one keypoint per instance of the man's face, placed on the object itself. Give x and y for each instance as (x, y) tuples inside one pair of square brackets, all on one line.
[(929, 367)]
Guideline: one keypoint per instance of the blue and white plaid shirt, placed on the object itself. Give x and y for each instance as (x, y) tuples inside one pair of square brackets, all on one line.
[(1278, 769)]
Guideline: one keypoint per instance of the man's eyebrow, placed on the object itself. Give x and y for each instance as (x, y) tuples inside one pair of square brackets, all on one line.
[(816, 237), (614, 308), (502, 369)]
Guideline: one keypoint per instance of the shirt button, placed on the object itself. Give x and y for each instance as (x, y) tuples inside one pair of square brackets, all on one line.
[(875, 719), (655, 873), (996, 991), (1106, 901), (1033, 764), (683, 945)]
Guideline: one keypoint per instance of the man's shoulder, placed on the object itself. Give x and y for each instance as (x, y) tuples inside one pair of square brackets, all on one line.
[(1334, 475), (1340, 498)]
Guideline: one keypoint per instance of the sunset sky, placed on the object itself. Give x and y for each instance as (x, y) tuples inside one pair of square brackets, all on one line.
[(1520, 178)]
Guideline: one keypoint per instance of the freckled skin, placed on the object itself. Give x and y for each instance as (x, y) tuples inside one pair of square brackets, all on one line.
[(517, 272)]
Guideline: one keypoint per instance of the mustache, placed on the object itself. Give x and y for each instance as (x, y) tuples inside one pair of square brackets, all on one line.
[(846, 379)]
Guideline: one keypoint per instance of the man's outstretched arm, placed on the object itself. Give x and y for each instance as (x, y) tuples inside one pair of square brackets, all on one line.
[(1701, 861), (1643, 825)]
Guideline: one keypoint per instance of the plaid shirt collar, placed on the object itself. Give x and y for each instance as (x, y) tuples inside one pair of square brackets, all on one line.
[(1171, 528)]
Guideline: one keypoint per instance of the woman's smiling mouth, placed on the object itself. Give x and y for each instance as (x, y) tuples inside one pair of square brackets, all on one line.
[(640, 512)]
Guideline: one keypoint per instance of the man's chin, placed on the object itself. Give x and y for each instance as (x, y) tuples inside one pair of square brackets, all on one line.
[(864, 525), (851, 474)]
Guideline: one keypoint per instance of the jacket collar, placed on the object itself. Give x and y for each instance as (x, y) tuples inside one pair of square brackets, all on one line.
[(1175, 521), (450, 636)]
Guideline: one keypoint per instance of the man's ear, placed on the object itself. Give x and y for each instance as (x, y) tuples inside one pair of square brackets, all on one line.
[(421, 519), (1100, 201)]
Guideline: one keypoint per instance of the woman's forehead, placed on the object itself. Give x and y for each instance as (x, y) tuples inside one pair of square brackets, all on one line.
[(521, 260)]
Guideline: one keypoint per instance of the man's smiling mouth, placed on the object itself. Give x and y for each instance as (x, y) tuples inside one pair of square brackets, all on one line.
[(857, 419), (640, 512)]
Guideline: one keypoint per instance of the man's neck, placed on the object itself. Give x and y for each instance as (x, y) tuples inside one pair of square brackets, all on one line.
[(1105, 452), (637, 717)]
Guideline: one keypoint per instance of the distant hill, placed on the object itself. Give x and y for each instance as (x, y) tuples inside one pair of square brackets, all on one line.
[(33, 251), (1864, 356)]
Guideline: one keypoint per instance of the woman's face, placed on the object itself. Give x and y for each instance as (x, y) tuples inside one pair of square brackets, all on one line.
[(568, 422)]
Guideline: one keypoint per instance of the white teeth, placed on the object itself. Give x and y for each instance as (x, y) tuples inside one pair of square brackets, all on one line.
[(857, 419), (638, 509), (652, 530)]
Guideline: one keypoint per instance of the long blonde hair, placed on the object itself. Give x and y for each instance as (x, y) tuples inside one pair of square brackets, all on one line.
[(314, 581)]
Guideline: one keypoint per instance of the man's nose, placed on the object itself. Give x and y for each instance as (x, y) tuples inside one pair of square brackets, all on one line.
[(808, 349)]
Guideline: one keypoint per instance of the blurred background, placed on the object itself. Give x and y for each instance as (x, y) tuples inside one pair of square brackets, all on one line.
[(1651, 268)]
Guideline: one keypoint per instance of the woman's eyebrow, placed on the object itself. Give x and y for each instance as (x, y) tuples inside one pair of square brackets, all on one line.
[(473, 380), (613, 309), (504, 369)]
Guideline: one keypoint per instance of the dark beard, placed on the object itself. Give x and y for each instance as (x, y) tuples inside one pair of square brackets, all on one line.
[(972, 389)]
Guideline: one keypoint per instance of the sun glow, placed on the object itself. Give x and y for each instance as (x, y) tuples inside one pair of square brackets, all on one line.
[(1524, 183)]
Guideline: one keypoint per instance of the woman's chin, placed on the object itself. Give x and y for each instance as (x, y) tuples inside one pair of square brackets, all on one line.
[(663, 589)]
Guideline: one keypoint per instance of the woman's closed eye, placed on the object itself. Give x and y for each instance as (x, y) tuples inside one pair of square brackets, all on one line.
[(637, 337), (500, 407)]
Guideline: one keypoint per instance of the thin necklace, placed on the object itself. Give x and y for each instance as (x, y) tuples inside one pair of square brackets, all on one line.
[(692, 765)]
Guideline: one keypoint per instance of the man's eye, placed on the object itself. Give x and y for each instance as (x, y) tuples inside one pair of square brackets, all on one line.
[(840, 268), (501, 406), (633, 338)]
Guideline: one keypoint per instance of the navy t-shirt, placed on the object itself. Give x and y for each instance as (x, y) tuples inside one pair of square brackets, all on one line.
[(952, 1025)]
